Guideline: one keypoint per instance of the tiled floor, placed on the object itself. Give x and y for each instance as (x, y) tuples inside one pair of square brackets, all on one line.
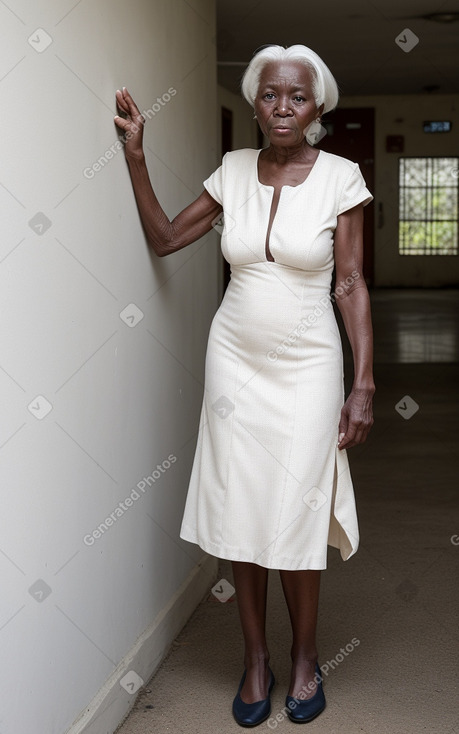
[(392, 608)]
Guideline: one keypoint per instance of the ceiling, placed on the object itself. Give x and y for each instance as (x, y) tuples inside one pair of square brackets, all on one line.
[(355, 38)]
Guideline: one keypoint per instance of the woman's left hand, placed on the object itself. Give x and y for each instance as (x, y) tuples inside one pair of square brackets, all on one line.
[(356, 418)]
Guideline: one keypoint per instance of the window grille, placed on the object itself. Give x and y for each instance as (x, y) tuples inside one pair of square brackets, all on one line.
[(428, 206)]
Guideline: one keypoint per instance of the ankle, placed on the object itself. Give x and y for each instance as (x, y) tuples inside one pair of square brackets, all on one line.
[(256, 659), (304, 657)]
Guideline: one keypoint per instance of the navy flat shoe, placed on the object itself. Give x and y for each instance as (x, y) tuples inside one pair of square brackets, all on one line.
[(252, 714), (302, 710)]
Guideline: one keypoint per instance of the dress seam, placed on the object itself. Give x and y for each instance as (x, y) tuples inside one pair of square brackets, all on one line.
[(222, 514), (287, 468)]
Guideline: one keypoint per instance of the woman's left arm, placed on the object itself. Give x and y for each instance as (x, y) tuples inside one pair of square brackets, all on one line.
[(353, 301)]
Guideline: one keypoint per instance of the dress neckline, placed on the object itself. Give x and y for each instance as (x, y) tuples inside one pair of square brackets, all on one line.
[(285, 186)]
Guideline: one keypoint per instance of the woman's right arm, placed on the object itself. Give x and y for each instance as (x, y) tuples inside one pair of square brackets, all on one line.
[(163, 235)]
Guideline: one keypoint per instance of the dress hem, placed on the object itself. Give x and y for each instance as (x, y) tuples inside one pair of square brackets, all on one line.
[(314, 563)]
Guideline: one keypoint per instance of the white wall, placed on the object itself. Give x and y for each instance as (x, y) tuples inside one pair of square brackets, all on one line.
[(404, 115), (76, 617)]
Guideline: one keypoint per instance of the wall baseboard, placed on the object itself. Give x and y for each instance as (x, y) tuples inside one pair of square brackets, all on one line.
[(112, 703)]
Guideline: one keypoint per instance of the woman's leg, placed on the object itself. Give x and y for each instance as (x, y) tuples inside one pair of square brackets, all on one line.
[(251, 583), (301, 591)]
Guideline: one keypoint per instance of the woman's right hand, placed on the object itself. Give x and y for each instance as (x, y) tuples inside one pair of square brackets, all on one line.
[(132, 124)]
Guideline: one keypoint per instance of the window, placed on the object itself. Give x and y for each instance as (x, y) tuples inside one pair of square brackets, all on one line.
[(428, 206)]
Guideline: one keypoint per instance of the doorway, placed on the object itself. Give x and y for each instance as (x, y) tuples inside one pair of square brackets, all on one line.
[(350, 133), (227, 145)]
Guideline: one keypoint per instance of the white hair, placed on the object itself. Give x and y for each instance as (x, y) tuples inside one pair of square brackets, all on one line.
[(324, 86)]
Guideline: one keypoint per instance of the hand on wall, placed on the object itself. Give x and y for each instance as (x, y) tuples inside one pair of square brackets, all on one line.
[(131, 123)]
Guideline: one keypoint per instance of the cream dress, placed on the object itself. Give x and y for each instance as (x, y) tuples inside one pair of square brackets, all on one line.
[(268, 483)]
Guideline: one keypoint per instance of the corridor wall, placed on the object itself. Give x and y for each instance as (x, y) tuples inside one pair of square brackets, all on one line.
[(102, 353)]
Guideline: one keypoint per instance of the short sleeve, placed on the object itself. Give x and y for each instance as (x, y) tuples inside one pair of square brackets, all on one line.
[(214, 185), (354, 192)]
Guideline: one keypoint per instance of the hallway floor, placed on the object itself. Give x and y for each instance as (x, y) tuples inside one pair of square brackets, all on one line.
[(388, 617)]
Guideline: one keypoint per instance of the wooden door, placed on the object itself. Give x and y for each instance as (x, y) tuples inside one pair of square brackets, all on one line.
[(350, 133), (227, 145)]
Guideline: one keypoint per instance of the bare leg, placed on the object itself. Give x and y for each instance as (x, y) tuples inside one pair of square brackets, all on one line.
[(301, 590), (251, 583)]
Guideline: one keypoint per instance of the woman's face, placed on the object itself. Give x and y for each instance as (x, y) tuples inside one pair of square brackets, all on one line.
[(285, 104)]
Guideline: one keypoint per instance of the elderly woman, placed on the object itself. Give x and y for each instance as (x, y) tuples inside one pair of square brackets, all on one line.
[(270, 486)]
